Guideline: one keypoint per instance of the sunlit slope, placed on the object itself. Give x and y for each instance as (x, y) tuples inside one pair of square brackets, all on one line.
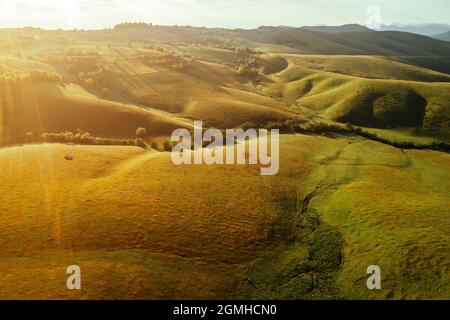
[(368, 42), (113, 92), (19, 65), (162, 87), (140, 227), (151, 223), (437, 63), (302, 40), (400, 226), (317, 84), (371, 68), (352, 39), (233, 112), (49, 107), (36, 99), (209, 90)]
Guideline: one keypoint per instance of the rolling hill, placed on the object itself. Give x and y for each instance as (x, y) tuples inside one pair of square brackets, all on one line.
[(38, 97), (118, 213), (112, 89), (141, 227), (340, 40), (49, 107), (444, 36), (362, 90), (426, 29), (339, 29)]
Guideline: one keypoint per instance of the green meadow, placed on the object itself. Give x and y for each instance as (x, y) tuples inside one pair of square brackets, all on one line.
[(87, 177)]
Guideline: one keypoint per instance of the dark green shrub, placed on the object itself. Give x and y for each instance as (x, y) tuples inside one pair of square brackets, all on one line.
[(154, 145), (167, 146)]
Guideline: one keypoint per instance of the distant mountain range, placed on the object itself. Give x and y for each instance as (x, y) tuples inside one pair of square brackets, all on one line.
[(349, 39), (338, 29), (435, 30), (444, 36), (432, 29)]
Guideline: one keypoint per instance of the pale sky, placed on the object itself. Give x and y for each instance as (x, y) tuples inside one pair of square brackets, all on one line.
[(95, 14)]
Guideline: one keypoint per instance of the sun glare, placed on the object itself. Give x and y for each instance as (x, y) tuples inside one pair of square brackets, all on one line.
[(64, 5), (45, 13)]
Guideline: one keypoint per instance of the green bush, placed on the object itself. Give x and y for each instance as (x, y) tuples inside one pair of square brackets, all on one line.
[(167, 146), (287, 126), (85, 138), (154, 145), (140, 143), (437, 120)]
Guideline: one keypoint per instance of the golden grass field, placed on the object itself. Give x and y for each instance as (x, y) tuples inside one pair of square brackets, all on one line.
[(141, 227)]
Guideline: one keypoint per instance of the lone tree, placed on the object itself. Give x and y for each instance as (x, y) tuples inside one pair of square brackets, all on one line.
[(141, 132)]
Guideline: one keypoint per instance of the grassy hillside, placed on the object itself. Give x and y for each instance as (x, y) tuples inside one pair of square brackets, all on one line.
[(339, 29), (112, 91), (440, 63), (377, 229), (50, 107), (92, 211), (371, 68), (343, 40), (388, 43), (178, 74), (142, 228), (341, 89)]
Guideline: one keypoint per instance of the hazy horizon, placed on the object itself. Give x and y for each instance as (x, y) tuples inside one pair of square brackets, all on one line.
[(100, 14)]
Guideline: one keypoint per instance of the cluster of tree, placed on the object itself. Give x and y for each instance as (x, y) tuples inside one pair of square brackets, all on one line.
[(247, 70), (133, 25), (85, 138), (437, 120), (76, 60), (168, 59), (90, 72), (225, 46), (244, 51), (99, 79), (34, 76), (43, 76), (248, 65), (142, 134), (297, 126)]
